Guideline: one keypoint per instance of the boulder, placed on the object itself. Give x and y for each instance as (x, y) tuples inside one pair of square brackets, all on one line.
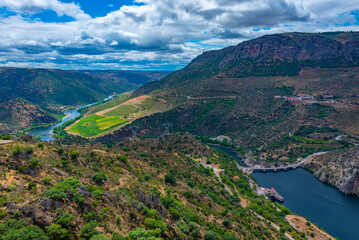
[(42, 219), (27, 210), (46, 204)]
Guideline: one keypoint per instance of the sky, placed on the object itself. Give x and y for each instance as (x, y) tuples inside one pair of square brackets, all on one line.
[(151, 34)]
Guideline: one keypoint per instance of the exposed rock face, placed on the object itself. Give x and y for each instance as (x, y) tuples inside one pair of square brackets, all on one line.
[(270, 55), (152, 201), (339, 168)]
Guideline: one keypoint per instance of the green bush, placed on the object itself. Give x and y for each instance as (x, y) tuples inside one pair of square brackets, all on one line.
[(229, 236), (17, 150), (33, 163), (7, 137), (74, 154), (89, 230), (99, 178), (99, 237), (56, 232), (210, 235), (29, 150), (182, 226), (122, 158), (170, 179), (175, 214), (31, 185), (20, 230), (46, 180), (57, 192)]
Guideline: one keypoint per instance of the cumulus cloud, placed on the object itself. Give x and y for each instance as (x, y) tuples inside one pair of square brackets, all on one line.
[(154, 33)]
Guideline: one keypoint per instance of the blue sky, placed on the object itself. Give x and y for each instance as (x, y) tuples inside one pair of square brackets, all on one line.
[(151, 34)]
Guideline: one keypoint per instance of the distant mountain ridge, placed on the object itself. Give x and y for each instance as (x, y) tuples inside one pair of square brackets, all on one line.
[(270, 55)]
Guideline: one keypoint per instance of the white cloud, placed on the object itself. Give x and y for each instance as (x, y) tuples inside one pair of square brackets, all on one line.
[(158, 32), (34, 6)]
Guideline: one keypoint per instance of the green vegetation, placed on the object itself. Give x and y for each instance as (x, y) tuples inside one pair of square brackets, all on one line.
[(137, 190), (95, 125)]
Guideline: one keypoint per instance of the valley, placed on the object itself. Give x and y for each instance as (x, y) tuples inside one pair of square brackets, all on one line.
[(143, 157)]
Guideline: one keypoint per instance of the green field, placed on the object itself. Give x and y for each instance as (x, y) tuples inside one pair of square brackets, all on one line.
[(94, 125), (123, 110)]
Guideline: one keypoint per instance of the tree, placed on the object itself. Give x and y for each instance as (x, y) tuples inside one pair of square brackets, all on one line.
[(170, 179), (99, 178)]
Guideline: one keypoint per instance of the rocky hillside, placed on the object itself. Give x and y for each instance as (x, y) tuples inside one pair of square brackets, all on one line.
[(19, 114), (137, 189), (339, 168), (271, 55)]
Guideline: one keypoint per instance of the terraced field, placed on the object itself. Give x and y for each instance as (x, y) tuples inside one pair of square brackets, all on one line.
[(109, 116)]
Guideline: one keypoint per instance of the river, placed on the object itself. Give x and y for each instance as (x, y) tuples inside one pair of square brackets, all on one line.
[(305, 195), (46, 133)]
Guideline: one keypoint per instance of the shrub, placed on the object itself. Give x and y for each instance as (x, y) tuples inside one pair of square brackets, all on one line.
[(60, 150), (31, 185), (175, 214), (7, 137), (99, 178), (147, 177), (56, 232), (191, 183), (118, 220), (29, 150), (122, 158), (170, 179), (34, 163), (182, 226), (64, 160), (46, 180), (74, 154), (57, 192), (16, 230), (91, 216), (194, 229), (40, 145), (99, 237), (229, 236), (210, 235), (89, 230), (98, 194), (16, 151)]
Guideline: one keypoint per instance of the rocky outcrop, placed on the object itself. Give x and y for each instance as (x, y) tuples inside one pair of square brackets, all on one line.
[(152, 201), (338, 168)]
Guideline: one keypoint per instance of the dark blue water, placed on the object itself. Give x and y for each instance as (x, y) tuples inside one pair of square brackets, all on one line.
[(321, 203), (46, 133)]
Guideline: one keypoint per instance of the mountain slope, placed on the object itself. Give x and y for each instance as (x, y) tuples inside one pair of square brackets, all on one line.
[(233, 91), (137, 189), (19, 114), (270, 55)]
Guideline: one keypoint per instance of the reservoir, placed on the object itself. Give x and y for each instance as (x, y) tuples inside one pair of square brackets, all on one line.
[(321, 203)]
